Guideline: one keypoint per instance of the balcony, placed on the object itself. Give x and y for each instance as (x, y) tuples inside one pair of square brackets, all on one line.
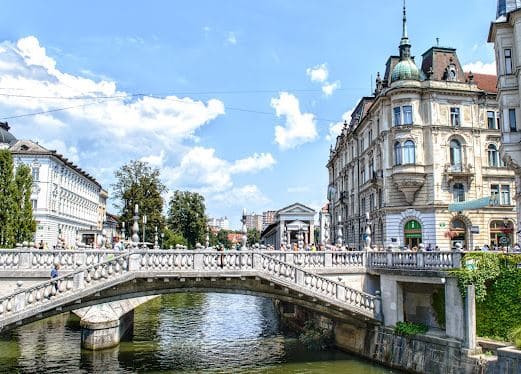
[(458, 172), (409, 179)]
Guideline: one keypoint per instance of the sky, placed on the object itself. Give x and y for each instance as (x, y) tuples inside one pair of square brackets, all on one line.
[(237, 100)]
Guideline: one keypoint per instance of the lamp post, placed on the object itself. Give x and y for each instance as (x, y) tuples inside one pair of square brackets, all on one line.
[(156, 244), (144, 224), (135, 226), (367, 231), (244, 230), (506, 223), (339, 240), (162, 239)]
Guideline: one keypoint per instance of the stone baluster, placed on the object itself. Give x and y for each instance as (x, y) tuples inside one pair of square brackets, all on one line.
[(328, 259), (420, 260), (135, 227)]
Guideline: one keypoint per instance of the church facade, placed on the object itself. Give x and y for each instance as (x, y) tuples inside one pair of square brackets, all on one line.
[(419, 161)]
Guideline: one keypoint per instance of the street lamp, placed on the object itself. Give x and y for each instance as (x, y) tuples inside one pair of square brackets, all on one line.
[(506, 223), (162, 239), (144, 224)]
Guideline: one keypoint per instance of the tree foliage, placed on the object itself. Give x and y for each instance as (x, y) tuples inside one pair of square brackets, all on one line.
[(25, 225), (253, 236), (171, 239), (187, 216), (139, 183), (8, 206), (16, 213)]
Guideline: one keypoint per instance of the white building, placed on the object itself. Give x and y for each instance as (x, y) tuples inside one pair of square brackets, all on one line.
[(505, 33), (219, 223), (66, 200)]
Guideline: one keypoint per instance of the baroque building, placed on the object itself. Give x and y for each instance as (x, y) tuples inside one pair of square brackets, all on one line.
[(419, 161), (505, 33), (66, 200)]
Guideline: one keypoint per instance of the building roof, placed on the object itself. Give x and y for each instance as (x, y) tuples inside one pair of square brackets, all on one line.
[(405, 70), (5, 136), (28, 147), (485, 82)]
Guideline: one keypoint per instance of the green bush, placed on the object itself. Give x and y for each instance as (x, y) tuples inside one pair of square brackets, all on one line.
[(314, 337), (497, 280), (515, 335), (410, 328), (438, 304)]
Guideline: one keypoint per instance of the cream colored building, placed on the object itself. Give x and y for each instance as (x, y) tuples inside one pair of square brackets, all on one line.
[(505, 33), (426, 139)]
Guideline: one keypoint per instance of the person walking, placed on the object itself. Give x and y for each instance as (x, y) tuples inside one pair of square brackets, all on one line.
[(54, 274)]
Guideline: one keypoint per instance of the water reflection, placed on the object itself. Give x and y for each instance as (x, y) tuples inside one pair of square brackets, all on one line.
[(217, 333)]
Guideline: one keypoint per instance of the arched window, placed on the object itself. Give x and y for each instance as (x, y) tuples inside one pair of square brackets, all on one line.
[(458, 192), (409, 154), (455, 155), (493, 156), (397, 153)]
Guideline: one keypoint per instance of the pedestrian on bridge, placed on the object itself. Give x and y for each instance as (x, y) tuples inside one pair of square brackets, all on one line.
[(54, 274)]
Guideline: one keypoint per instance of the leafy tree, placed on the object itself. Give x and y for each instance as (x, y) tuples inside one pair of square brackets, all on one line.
[(24, 225), (172, 238), (8, 206), (253, 236), (187, 216), (139, 183), (222, 238)]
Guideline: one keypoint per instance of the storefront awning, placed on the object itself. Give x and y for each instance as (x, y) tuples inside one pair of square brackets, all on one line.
[(472, 204)]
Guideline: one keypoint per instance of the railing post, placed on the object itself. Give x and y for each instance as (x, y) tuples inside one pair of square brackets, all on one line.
[(289, 258), (257, 261), (420, 260), (366, 259), (134, 263), (340, 292), (299, 277), (25, 260), (80, 258), (456, 259), (328, 260), (390, 259), (198, 261), (378, 306), (19, 300), (78, 280)]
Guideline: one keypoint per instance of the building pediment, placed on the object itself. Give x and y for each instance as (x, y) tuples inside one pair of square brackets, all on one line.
[(297, 225), (296, 208)]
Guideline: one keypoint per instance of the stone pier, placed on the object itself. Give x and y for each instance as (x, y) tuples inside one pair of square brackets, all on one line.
[(104, 325)]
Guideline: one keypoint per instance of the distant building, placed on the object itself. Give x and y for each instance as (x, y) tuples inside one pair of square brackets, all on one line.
[(290, 222), (235, 237), (65, 198), (217, 224), (254, 221), (268, 217)]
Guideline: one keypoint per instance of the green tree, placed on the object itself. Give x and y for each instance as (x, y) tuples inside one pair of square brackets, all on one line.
[(187, 216), (172, 238), (222, 238), (253, 236), (24, 223), (139, 183), (8, 206)]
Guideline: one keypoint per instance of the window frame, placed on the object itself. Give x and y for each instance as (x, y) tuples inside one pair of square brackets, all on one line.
[(491, 120), (455, 116), (505, 195), (493, 156), (458, 194), (407, 115), (512, 120), (407, 151), (507, 54), (397, 116)]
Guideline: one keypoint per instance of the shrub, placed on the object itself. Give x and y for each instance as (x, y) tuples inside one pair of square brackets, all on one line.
[(314, 337), (410, 328), (515, 335)]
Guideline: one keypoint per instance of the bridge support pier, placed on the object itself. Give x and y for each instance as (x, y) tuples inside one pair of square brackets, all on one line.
[(105, 334)]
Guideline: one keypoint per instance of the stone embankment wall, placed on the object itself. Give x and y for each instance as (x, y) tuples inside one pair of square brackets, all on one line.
[(419, 354)]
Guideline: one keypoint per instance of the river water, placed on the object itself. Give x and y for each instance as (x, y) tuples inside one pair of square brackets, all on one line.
[(189, 333)]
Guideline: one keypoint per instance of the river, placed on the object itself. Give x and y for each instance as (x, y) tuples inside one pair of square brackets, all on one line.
[(190, 333)]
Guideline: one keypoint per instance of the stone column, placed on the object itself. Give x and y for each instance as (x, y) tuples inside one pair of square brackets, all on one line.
[(99, 334), (454, 310), (392, 300), (470, 321)]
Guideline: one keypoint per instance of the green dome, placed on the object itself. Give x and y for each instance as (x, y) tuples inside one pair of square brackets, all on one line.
[(404, 70)]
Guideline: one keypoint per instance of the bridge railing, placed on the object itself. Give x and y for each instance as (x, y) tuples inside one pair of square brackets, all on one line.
[(69, 260), (24, 300), (365, 303)]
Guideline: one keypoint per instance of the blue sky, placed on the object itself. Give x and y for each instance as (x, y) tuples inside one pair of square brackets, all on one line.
[(244, 97)]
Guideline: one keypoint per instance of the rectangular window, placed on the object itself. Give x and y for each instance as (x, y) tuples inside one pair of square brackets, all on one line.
[(498, 120), (512, 124), (380, 199), (362, 145), (494, 193), (491, 120), (371, 202), (505, 194), (370, 136), (454, 117), (407, 115), (397, 116), (352, 204), (362, 175), (34, 204), (35, 173), (362, 207), (508, 61)]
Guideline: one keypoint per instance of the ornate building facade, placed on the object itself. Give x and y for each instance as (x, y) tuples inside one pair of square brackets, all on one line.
[(66, 200), (505, 33), (419, 161)]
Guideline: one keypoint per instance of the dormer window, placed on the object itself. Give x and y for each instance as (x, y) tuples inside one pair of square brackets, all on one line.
[(451, 72)]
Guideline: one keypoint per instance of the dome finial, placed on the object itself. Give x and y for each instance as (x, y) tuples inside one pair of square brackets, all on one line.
[(405, 37)]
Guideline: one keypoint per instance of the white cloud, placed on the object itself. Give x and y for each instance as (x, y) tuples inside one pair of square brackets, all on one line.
[(299, 128), (156, 161), (253, 163), (298, 189), (231, 39), (241, 196), (318, 73), (329, 88), (201, 170), (481, 67), (336, 128)]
